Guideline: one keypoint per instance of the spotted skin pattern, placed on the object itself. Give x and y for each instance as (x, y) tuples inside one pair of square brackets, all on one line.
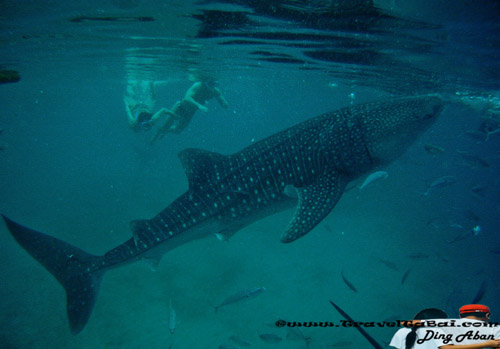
[(316, 159)]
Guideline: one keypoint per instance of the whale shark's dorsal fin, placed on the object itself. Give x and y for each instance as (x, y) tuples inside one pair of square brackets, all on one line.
[(315, 203), (201, 165)]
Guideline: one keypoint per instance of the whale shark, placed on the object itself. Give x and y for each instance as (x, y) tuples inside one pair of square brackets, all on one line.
[(315, 159)]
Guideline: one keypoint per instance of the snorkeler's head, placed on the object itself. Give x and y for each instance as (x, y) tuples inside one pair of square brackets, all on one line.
[(144, 121)]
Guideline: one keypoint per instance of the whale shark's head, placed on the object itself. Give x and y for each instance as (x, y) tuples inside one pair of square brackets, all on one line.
[(390, 128)]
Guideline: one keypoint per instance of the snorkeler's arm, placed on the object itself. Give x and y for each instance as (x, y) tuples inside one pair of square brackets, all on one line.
[(160, 83), (191, 100), (495, 343), (132, 121), (191, 94), (220, 98), (198, 105), (160, 113)]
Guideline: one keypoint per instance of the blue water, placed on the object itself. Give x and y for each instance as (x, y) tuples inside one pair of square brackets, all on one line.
[(71, 167)]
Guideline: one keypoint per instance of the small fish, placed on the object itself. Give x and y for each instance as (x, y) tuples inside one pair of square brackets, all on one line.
[(468, 234), (295, 333), (489, 133), (240, 341), (347, 282), (477, 135), (389, 264), (433, 149), (473, 160), (172, 318), (434, 221), (480, 293), (405, 276), (270, 338), (441, 182), (373, 177), (479, 190), (242, 295)]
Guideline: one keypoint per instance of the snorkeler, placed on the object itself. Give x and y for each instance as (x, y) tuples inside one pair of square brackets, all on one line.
[(180, 115), (140, 99)]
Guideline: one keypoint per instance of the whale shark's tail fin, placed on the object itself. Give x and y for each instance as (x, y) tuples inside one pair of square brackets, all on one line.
[(77, 271)]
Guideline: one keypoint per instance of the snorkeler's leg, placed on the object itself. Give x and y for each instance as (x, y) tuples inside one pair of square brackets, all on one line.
[(166, 128), (160, 113)]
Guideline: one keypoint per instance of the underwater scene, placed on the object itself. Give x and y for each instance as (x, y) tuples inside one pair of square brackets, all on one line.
[(245, 173)]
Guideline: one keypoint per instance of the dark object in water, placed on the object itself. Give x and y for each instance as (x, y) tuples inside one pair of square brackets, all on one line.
[(433, 149), (473, 160), (480, 293), (462, 236), (477, 135), (479, 189), (270, 338), (348, 283), (80, 19), (405, 276), (8, 76), (240, 341), (359, 328), (295, 333), (242, 295), (389, 264), (441, 182)]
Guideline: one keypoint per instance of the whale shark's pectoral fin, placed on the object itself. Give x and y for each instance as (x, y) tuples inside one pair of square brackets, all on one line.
[(315, 203)]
